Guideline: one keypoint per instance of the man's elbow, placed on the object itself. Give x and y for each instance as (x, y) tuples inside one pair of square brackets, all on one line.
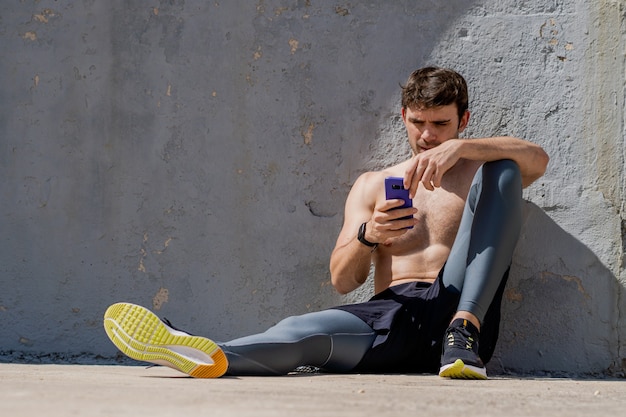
[(339, 285), (342, 284), (540, 162)]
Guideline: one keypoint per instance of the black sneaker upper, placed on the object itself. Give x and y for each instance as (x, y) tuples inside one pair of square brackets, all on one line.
[(461, 342)]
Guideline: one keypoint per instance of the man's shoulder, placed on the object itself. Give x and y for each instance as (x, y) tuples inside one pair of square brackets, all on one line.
[(372, 182), (374, 179), (397, 170)]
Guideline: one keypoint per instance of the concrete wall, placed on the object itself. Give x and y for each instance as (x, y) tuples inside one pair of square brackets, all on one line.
[(194, 157)]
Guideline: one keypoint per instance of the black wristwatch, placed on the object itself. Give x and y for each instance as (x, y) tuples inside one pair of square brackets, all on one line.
[(361, 237)]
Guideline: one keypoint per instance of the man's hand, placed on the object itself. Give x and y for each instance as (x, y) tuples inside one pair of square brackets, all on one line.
[(428, 167), (385, 223)]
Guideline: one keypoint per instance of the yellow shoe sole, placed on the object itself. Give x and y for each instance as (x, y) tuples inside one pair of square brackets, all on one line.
[(458, 370), (141, 335)]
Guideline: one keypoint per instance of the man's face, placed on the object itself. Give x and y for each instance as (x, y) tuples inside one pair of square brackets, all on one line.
[(427, 128)]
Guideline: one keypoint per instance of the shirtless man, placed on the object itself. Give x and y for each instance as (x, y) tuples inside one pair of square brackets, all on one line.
[(438, 275)]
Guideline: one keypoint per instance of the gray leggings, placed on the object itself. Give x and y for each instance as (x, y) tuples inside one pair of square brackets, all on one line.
[(336, 340)]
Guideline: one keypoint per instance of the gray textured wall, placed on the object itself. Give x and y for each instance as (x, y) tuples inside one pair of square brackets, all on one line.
[(194, 157)]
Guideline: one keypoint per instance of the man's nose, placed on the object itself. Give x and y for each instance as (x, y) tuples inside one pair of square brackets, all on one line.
[(428, 135)]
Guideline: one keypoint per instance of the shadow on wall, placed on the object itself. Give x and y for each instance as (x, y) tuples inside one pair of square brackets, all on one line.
[(560, 309), (151, 147)]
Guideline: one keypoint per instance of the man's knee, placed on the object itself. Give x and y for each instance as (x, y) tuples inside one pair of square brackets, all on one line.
[(503, 174), (291, 324), (502, 167), (302, 326)]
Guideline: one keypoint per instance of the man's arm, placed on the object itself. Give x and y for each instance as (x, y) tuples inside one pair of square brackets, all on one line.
[(428, 167), (350, 261)]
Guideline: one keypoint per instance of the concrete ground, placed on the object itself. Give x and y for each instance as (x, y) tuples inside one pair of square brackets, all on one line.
[(95, 390)]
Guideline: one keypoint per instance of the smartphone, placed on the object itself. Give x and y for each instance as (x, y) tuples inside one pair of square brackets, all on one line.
[(394, 189)]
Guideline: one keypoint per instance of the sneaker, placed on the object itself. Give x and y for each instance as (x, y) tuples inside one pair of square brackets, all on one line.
[(141, 335), (460, 358)]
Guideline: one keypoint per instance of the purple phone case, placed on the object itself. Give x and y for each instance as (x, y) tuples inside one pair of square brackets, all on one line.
[(394, 189)]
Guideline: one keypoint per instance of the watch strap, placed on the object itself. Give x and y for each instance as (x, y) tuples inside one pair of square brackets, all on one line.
[(361, 237)]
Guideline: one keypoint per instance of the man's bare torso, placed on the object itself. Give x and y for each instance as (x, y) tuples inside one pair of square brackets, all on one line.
[(419, 254)]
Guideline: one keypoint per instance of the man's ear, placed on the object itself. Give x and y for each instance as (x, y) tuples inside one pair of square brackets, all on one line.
[(403, 112), (464, 121)]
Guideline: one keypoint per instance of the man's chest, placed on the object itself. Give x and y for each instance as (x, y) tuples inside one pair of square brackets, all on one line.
[(439, 215), (439, 212)]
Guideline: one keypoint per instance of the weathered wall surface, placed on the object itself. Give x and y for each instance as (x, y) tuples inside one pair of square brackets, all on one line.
[(194, 157), (554, 72)]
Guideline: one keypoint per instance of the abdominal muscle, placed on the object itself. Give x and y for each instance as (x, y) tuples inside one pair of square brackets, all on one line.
[(423, 266)]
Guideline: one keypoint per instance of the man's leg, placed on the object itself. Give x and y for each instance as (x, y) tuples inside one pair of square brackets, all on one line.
[(479, 258), (334, 340), (331, 339)]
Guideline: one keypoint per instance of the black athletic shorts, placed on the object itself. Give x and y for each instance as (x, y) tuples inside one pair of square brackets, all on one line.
[(410, 321)]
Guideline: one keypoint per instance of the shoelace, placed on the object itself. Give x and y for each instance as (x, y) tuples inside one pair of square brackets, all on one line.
[(465, 341)]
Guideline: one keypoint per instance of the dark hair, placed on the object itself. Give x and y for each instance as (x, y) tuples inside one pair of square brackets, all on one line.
[(432, 87)]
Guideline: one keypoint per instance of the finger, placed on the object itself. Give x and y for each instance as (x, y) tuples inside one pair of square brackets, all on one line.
[(401, 213), (388, 205), (437, 178), (392, 235), (408, 174), (403, 225), (417, 177), (427, 178)]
